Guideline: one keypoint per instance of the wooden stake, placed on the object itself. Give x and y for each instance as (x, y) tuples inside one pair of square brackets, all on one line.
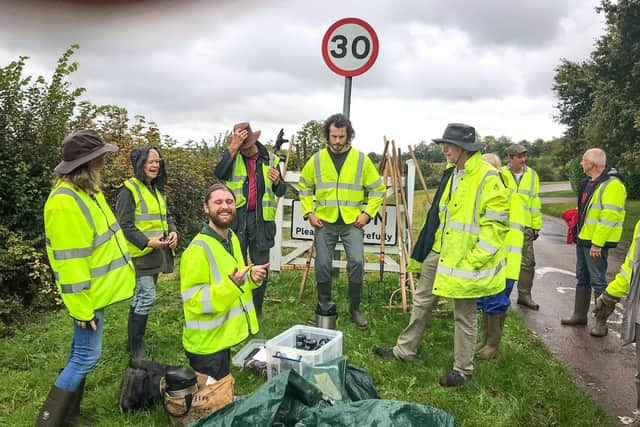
[(307, 267), (383, 224), (403, 264), (422, 181)]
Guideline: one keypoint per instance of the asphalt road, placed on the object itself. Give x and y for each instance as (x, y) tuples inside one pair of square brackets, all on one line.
[(604, 368)]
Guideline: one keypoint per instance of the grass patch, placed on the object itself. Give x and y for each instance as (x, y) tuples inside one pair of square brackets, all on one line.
[(526, 386), (564, 193), (632, 217)]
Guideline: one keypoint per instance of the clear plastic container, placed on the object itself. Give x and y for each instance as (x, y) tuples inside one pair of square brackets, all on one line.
[(238, 359), (282, 353)]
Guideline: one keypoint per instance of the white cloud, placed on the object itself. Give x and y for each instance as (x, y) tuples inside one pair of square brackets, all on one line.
[(196, 67)]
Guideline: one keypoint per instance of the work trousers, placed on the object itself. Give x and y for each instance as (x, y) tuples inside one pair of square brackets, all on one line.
[(256, 256), (215, 365), (326, 238), (423, 303), (528, 264)]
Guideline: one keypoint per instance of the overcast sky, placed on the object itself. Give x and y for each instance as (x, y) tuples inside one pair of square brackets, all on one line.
[(197, 67)]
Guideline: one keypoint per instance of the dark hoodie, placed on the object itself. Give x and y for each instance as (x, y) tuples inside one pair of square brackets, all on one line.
[(157, 261), (587, 188)]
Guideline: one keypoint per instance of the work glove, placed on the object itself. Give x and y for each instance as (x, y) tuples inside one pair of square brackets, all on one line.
[(605, 304), (280, 140)]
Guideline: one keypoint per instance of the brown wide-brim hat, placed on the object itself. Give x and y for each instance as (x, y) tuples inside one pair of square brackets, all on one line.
[(81, 147), (252, 138), (464, 136)]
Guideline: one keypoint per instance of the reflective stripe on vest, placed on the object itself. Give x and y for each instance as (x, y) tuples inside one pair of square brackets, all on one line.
[(151, 224), (236, 185), (207, 308), (215, 323), (86, 252)]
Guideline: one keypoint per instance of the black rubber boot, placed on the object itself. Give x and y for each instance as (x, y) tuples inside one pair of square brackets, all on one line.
[(324, 301), (137, 327), (355, 295), (54, 410), (581, 307), (258, 298)]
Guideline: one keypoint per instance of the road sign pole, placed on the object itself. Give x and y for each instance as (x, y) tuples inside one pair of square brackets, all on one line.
[(346, 105)]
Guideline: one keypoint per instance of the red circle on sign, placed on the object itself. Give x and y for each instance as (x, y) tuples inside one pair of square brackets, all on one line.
[(374, 47)]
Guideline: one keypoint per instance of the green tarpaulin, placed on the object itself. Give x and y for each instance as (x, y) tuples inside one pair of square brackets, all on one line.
[(334, 394)]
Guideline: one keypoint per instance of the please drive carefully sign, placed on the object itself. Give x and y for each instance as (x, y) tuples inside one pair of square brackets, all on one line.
[(302, 230)]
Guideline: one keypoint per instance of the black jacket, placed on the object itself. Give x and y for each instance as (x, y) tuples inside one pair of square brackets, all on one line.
[(157, 261), (428, 233), (266, 229)]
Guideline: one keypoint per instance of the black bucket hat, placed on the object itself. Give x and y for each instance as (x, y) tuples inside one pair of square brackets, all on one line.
[(464, 136), (81, 147)]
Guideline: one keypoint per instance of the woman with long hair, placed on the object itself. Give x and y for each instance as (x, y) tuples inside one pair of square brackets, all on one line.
[(90, 262)]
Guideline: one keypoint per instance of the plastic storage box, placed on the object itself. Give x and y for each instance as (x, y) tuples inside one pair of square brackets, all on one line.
[(282, 353)]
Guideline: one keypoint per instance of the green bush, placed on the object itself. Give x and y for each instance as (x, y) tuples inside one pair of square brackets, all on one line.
[(575, 172), (26, 283)]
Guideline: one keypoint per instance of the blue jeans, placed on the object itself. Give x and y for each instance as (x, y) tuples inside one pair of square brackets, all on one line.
[(86, 348), (498, 303), (145, 295), (591, 271)]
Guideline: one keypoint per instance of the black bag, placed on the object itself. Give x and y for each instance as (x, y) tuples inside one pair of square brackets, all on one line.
[(140, 388)]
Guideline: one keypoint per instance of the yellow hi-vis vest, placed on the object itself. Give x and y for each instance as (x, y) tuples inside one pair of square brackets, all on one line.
[(474, 222), (150, 214), (218, 314), (620, 284), (515, 236), (344, 193), (605, 213), (529, 192), (238, 178), (87, 251)]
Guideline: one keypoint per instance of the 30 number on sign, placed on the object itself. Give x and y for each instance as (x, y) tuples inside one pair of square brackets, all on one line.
[(350, 47)]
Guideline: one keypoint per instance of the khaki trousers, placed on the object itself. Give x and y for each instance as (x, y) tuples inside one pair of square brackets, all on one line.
[(423, 303)]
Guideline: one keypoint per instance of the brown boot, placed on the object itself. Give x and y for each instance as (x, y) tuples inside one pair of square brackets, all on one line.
[(495, 325), (580, 308)]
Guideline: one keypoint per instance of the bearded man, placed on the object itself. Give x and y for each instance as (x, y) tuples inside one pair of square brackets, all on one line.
[(217, 288)]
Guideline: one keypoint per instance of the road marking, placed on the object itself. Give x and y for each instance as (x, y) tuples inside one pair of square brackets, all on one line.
[(544, 270), (564, 289)]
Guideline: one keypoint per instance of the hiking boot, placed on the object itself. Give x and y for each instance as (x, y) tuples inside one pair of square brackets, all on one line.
[(385, 352), (600, 329), (454, 379)]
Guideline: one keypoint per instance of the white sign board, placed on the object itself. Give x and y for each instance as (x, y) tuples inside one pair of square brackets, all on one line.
[(302, 230)]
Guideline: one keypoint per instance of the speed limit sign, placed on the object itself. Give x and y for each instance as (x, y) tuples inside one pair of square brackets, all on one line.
[(350, 47)]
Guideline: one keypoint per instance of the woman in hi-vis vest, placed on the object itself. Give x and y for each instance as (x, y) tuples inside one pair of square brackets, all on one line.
[(90, 262)]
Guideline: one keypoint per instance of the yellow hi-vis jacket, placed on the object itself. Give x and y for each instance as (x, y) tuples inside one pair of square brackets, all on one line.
[(605, 214), (515, 236), (150, 214), (529, 192), (344, 193), (627, 281), (218, 314), (620, 284), (474, 222), (239, 176), (87, 251)]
